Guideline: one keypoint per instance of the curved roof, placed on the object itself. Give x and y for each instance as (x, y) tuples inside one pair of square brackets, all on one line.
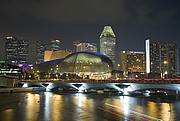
[(92, 53), (101, 56), (84, 61)]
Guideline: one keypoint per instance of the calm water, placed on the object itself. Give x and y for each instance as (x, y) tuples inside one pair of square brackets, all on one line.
[(48, 106)]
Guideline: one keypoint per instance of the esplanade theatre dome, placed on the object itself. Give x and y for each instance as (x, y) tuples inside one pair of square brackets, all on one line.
[(90, 65)]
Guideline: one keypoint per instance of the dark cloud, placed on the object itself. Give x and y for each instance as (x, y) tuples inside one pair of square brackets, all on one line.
[(77, 11), (68, 11), (151, 17)]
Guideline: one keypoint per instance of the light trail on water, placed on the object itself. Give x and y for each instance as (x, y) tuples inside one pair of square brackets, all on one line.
[(114, 113), (136, 113)]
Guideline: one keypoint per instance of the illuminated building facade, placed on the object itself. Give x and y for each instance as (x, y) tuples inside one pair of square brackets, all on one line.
[(161, 57), (41, 47), (53, 55), (85, 64), (55, 45), (132, 61), (78, 65), (108, 43), (16, 50), (10, 70), (82, 46)]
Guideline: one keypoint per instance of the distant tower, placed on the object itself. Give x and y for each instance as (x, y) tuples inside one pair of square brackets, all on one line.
[(55, 45), (41, 47), (161, 57), (108, 43), (16, 50), (83, 46)]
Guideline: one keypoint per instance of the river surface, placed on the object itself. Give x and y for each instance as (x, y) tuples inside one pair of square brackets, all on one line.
[(58, 106)]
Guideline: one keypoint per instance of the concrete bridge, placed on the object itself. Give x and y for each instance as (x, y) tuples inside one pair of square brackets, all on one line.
[(102, 86)]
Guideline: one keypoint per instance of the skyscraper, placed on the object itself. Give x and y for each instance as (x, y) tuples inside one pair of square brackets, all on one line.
[(41, 47), (132, 61), (55, 45), (108, 43), (83, 46), (161, 57), (16, 50)]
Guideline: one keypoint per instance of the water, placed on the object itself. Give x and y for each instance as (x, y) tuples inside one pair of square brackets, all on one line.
[(49, 106)]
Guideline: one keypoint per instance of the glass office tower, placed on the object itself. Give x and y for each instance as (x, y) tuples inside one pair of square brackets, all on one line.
[(16, 50), (161, 57), (41, 47)]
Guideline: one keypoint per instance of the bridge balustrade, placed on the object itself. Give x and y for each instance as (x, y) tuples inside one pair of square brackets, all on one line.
[(153, 81)]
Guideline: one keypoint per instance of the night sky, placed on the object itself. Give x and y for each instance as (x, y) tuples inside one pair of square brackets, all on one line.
[(133, 21)]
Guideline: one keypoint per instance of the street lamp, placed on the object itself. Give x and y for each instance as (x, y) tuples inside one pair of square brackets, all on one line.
[(165, 62), (38, 74), (164, 69)]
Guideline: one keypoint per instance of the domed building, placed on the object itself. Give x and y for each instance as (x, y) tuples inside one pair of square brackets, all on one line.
[(90, 65), (79, 65)]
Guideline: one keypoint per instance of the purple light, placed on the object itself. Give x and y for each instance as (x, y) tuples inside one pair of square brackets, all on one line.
[(25, 66)]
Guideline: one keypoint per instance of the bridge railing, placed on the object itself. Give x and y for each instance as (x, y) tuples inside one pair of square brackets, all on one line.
[(132, 80)]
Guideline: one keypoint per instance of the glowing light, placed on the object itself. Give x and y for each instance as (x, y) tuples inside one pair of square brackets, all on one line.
[(125, 104), (25, 85), (47, 105), (31, 106), (147, 56), (49, 87), (9, 37), (127, 90), (81, 88), (80, 98), (165, 62)]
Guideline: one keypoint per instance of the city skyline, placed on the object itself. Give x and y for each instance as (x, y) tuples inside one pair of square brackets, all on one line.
[(132, 21)]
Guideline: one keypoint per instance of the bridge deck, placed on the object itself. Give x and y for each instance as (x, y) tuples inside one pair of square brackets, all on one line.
[(146, 81)]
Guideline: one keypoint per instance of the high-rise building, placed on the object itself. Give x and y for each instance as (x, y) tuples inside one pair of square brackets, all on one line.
[(83, 46), (132, 61), (161, 57), (16, 50), (55, 45), (108, 43), (41, 47)]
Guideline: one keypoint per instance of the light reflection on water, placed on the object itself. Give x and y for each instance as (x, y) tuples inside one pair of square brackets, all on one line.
[(8, 115), (49, 106), (84, 107), (32, 106), (152, 109), (56, 107)]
